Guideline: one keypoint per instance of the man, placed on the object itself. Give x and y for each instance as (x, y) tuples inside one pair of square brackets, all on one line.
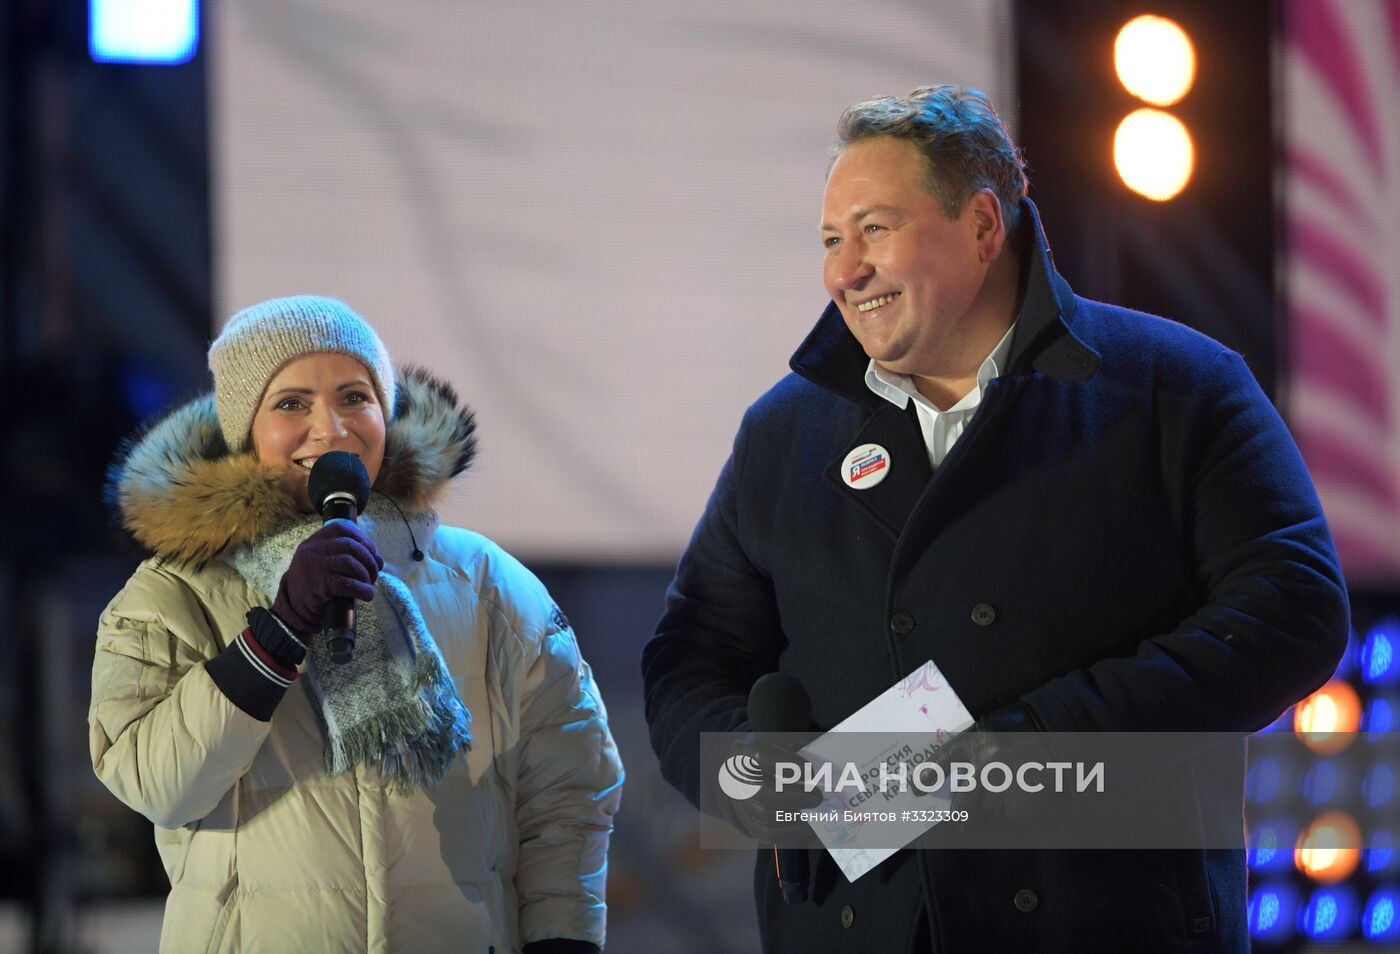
[(1091, 519)]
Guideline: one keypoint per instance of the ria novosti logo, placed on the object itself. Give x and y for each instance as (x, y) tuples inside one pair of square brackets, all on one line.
[(905, 769), (740, 777)]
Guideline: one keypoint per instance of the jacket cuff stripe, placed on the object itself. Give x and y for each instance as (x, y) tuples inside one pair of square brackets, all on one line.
[(248, 682), (260, 657)]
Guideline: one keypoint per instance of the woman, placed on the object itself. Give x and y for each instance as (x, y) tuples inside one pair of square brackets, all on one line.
[(453, 786)]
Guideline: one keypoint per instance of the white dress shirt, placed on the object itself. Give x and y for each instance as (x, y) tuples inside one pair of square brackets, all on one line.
[(941, 429)]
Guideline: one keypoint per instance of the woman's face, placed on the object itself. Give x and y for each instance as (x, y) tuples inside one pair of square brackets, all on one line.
[(318, 403)]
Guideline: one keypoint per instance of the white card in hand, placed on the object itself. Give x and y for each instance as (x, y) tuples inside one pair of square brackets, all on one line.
[(922, 704)]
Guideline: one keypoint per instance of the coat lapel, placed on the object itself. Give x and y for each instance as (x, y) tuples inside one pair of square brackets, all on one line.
[(933, 509), (891, 501)]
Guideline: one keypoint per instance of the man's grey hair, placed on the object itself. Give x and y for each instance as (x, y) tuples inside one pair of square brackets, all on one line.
[(964, 143)]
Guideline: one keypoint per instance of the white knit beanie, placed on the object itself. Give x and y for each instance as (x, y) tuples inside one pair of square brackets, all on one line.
[(260, 339)]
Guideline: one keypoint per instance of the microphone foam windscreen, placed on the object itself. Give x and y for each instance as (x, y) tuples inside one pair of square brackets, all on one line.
[(778, 703), (338, 472)]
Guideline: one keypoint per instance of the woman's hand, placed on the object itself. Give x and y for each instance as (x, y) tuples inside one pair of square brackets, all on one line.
[(337, 560)]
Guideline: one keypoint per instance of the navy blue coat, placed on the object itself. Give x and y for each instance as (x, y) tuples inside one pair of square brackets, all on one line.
[(1123, 539)]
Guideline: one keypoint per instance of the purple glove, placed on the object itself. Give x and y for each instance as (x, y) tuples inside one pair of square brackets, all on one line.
[(337, 560)]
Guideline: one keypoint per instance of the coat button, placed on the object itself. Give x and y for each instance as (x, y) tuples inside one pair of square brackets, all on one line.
[(1025, 900), (902, 622), (983, 614), (848, 916)]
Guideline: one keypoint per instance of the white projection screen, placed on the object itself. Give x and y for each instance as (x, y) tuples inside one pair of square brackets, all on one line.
[(597, 220)]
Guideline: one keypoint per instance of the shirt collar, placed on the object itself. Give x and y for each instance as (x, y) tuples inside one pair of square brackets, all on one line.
[(899, 388)]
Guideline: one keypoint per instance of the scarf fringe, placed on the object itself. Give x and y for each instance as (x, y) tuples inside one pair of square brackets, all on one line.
[(412, 745)]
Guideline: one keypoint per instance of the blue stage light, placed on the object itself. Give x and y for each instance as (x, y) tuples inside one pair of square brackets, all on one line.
[(1321, 783), (1378, 787), (1330, 914), (157, 32), (1379, 852), (1263, 781), (1271, 912), (1270, 843), (1379, 715), (1378, 921), (1379, 662)]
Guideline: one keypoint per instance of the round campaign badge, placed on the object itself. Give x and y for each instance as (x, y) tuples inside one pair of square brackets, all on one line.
[(865, 466)]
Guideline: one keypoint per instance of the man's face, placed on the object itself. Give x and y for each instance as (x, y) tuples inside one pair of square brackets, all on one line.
[(904, 276)]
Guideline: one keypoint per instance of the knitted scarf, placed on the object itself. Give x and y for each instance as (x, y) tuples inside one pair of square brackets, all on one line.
[(394, 706)]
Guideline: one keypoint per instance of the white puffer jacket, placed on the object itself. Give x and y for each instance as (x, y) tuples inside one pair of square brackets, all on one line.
[(264, 850)]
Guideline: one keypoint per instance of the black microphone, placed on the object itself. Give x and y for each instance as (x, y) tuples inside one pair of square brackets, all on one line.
[(339, 489), (778, 703)]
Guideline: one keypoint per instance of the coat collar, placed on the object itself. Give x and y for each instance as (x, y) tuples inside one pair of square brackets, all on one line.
[(832, 358), (180, 494)]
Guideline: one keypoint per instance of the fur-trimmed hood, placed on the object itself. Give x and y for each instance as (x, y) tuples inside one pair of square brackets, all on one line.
[(181, 495)]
